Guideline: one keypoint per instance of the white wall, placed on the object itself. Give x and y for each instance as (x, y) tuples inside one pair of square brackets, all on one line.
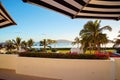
[(8, 61), (117, 68), (64, 69), (67, 69)]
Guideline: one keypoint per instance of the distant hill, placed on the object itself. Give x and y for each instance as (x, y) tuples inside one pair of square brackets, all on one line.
[(63, 41)]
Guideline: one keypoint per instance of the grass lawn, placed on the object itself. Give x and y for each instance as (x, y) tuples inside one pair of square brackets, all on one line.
[(60, 51)]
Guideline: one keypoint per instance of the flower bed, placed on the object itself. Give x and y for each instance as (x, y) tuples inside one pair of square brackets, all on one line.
[(65, 56)]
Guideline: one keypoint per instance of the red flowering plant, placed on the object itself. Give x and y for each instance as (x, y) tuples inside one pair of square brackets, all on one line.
[(102, 54), (110, 53), (73, 53)]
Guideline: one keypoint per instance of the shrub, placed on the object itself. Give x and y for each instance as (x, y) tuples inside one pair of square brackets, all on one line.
[(13, 52), (9, 53), (118, 50), (102, 55), (54, 50), (64, 56)]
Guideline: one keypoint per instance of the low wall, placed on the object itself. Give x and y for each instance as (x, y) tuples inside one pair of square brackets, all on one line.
[(66, 69), (117, 68), (63, 69), (8, 61)]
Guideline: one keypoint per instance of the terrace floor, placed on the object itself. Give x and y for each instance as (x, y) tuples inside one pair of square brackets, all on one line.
[(6, 74)]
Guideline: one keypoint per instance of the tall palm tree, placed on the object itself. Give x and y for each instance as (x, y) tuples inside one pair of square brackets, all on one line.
[(93, 30), (24, 45), (86, 42), (30, 42), (102, 39), (119, 34), (9, 45), (46, 42), (77, 41), (117, 41), (17, 43), (50, 41)]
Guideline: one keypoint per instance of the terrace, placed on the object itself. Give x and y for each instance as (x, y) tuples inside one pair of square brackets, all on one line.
[(57, 69), (7, 74), (14, 67)]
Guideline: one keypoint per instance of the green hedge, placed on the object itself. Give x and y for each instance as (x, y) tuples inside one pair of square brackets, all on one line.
[(64, 56), (13, 52), (118, 50)]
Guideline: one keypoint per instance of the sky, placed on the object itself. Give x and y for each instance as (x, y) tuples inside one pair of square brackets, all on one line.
[(39, 23)]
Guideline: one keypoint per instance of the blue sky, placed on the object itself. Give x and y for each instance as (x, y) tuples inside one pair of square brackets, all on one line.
[(38, 23)]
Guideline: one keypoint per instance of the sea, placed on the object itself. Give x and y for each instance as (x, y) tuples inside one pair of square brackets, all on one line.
[(66, 45), (56, 45)]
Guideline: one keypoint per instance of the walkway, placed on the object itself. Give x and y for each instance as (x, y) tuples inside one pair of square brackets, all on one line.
[(6, 74)]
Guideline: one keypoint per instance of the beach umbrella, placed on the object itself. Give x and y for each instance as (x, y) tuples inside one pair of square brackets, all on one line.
[(90, 9), (5, 19)]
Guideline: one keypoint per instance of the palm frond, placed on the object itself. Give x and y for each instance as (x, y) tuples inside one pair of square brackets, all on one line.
[(106, 28)]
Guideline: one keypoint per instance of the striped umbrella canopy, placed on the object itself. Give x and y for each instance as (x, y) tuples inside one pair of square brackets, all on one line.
[(92, 9), (5, 19)]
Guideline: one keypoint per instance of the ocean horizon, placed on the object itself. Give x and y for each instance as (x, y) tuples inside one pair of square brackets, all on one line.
[(66, 45), (56, 45)]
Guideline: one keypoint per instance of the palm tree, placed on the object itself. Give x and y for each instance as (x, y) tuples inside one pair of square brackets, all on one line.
[(86, 42), (54, 42), (119, 34), (77, 41), (93, 32), (17, 43), (24, 45), (46, 42), (50, 41), (30, 42), (9, 45), (117, 41)]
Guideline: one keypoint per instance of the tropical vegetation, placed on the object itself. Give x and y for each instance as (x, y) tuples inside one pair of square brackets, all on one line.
[(77, 41), (18, 44), (117, 43), (46, 42), (92, 35), (9, 45), (65, 56), (90, 39), (30, 43)]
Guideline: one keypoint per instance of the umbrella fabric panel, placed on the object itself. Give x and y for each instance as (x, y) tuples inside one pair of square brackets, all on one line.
[(100, 9), (5, 19)]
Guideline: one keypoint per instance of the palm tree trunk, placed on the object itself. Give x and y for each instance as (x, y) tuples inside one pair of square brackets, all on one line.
[(17, 48), (98, 47), (44, 48), (90, 48)]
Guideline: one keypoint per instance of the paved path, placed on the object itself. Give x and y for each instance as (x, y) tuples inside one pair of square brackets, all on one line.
[(11, 75)]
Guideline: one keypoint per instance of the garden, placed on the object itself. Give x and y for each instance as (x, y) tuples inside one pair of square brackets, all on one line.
[(91, 37)]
